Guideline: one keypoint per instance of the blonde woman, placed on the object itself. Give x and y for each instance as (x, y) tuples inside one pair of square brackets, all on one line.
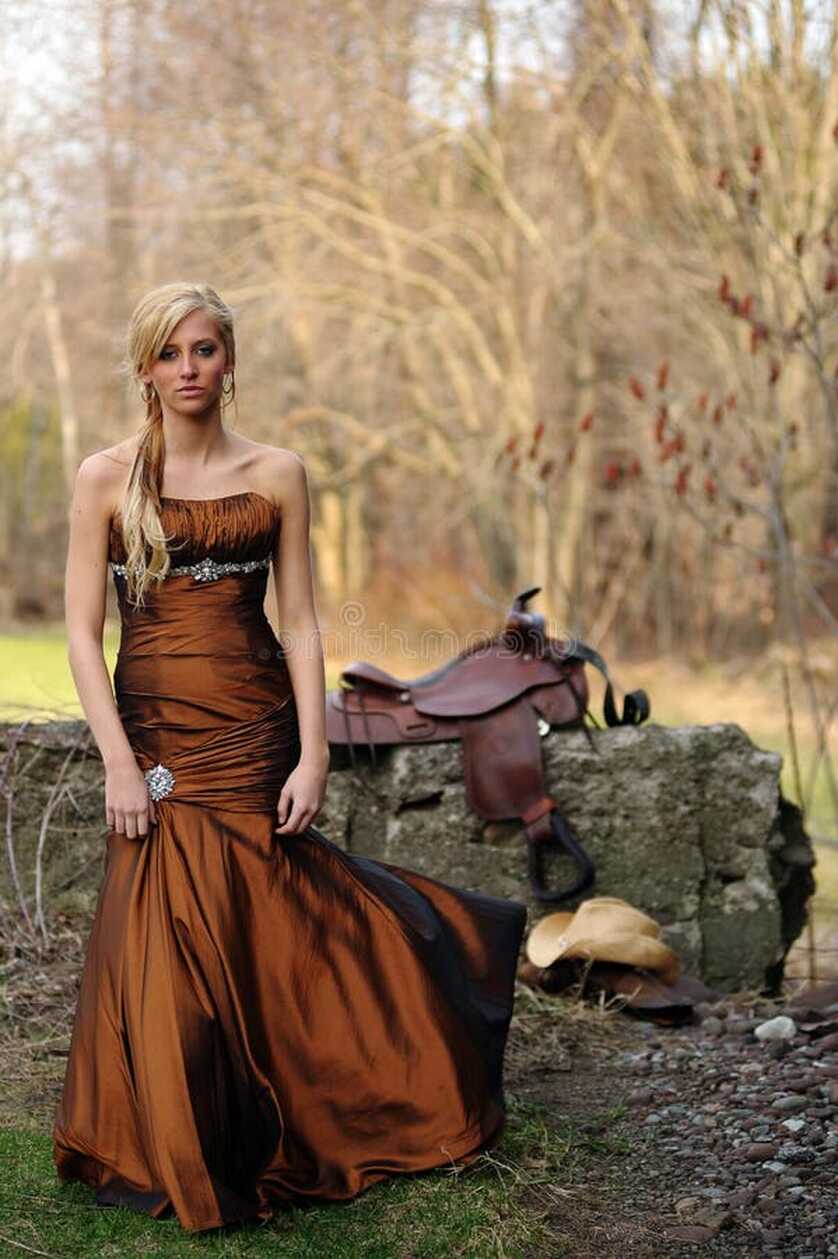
[(263, 1017)]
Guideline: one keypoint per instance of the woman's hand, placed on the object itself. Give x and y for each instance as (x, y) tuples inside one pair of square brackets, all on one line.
[(128, 806), (301, 797)]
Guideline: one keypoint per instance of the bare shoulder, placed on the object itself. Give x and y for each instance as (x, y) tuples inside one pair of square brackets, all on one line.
[(102, 476), (283, 475)]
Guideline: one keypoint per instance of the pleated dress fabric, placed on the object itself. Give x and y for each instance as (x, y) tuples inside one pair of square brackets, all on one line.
[(263, 1019)]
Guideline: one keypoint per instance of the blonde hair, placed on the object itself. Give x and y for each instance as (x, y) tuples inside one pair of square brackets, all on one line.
[(149, 328)]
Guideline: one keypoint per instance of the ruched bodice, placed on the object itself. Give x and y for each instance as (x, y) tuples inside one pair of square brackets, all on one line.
[(196, 640), (263, 1016), (235, 527), (208, 614)]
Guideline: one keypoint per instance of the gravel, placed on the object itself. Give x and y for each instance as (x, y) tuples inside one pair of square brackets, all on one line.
[(752, 1122)]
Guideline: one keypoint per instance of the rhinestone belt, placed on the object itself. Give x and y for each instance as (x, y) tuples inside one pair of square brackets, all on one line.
[(206, 569)]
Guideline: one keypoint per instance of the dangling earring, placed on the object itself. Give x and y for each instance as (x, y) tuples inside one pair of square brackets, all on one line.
[(147, 391), (228, 387)]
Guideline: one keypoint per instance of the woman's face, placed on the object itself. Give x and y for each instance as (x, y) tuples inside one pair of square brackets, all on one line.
[(188, 373)]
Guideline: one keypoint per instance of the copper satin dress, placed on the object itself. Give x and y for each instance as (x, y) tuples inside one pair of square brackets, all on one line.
[(262, 1018)]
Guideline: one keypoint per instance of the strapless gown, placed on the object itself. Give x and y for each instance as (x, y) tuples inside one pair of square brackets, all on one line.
[(262, 1018)]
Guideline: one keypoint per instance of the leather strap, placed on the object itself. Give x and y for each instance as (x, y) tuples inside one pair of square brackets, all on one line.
[(636, 707), (538, 810), (565, 840), (502, 761)]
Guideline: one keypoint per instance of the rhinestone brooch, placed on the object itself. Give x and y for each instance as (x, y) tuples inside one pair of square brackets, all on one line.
[(160, 781), (206, 569)]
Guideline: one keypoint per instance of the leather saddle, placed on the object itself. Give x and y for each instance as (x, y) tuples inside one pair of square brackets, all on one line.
[(498, 697)]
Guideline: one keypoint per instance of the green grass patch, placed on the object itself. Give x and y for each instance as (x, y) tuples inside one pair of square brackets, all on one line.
[(37, 682), (498, 1208), (36, 678)]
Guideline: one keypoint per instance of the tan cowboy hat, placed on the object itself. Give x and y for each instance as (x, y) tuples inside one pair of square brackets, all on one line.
[(603, 929)]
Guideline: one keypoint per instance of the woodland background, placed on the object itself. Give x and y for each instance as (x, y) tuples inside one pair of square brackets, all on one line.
[(544, 294)]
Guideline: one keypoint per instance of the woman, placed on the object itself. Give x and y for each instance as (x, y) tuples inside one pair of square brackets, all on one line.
[(263, 1018)]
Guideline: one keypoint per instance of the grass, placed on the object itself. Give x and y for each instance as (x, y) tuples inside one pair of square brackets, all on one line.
[(37, 682), (496, 1208), (514, 1202)]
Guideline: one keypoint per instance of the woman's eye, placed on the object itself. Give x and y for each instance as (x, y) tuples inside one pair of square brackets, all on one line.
[(205, 350)]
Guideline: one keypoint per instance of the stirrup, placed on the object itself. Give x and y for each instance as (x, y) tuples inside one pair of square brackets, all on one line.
[(563, 838)]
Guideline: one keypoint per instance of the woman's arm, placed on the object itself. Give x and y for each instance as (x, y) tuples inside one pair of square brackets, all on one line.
[(128, 806), (301, 641), (299, 629)]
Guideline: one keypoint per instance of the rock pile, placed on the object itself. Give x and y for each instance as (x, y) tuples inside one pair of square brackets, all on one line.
[(686, 823)]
